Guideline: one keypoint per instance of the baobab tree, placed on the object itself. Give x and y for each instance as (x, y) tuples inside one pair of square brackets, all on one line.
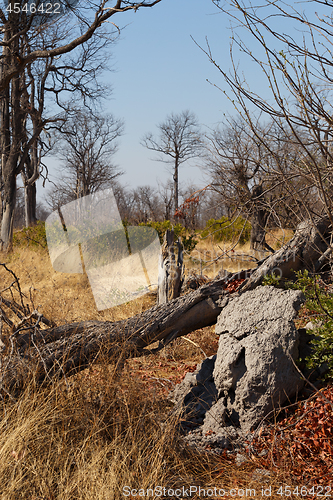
[(178, 141)]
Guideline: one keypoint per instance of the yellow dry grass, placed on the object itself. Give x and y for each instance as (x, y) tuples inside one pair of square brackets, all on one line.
[(97, 435), (211, 257), (99, 440), (63, 297)]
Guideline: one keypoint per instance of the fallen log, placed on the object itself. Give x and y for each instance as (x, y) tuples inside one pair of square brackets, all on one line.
[(304, 251), (67, 349), (45, 354)]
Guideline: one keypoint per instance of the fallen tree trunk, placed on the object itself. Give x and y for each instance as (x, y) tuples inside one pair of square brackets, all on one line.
[(64, 350), (304, 251)]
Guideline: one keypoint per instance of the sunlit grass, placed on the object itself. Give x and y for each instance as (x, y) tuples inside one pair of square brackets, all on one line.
[(211, 257), (93, 434)]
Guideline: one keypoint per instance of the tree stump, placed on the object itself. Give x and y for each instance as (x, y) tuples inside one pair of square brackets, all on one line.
[(171, 272)]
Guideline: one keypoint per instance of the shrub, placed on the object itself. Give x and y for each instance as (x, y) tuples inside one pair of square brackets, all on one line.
[(188, 239), (228, 229), (272, 280), (33, 236), (319, 300)]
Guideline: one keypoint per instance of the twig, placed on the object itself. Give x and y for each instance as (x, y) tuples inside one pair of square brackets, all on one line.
[(319, 302), (196, 345), (310, 384)]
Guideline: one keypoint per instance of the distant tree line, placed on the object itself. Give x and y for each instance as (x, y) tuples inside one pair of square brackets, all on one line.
[(245, 177)]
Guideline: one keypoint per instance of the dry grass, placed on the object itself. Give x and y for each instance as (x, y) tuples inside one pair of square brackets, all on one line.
[(90, 436), (63, 297), (210, 257), (87, 441), (96, 435)]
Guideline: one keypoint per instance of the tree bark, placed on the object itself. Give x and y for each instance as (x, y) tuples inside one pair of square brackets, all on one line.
[(11, 138), (258, 221), (9, 202), (65, 350), (170, 275), (30, 205), (175, 185), (8, 154)]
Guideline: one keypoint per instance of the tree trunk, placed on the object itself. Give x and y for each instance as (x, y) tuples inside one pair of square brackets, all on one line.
[(258, 221), (30, 174), (11, 141), (175, 186), (30, 205), (65, 350), (9, 202), (170, 274)]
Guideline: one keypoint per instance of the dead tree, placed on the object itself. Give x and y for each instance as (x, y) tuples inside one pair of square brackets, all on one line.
[(28, 43), (301, 115), (258, 220), (179, 140), (171, 271), (45, 354)]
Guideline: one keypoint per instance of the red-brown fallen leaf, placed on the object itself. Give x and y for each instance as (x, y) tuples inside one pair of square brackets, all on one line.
[(303, 441), (233, 285)]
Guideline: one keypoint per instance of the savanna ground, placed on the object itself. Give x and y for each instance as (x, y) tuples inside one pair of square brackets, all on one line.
[(99, 434)]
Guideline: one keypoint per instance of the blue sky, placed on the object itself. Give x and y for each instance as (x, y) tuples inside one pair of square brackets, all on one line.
[(158, 69)]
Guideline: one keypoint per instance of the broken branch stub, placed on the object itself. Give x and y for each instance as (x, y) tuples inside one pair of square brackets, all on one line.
[(171, 271)]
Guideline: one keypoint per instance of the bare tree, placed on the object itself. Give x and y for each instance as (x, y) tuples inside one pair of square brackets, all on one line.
[(238, 164), (41, 211), (146, 205), (188, 212), (124, 199), (165, 191), (34, 125), (299, 79), (86, 145), (30, 41), (179, 140), (250, 175), (212, 206)]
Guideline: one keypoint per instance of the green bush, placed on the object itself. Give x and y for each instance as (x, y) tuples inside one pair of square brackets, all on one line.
[(188, 239), (272, 280), (319, 300), (35, 236), (31, 236), (226, 229)]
